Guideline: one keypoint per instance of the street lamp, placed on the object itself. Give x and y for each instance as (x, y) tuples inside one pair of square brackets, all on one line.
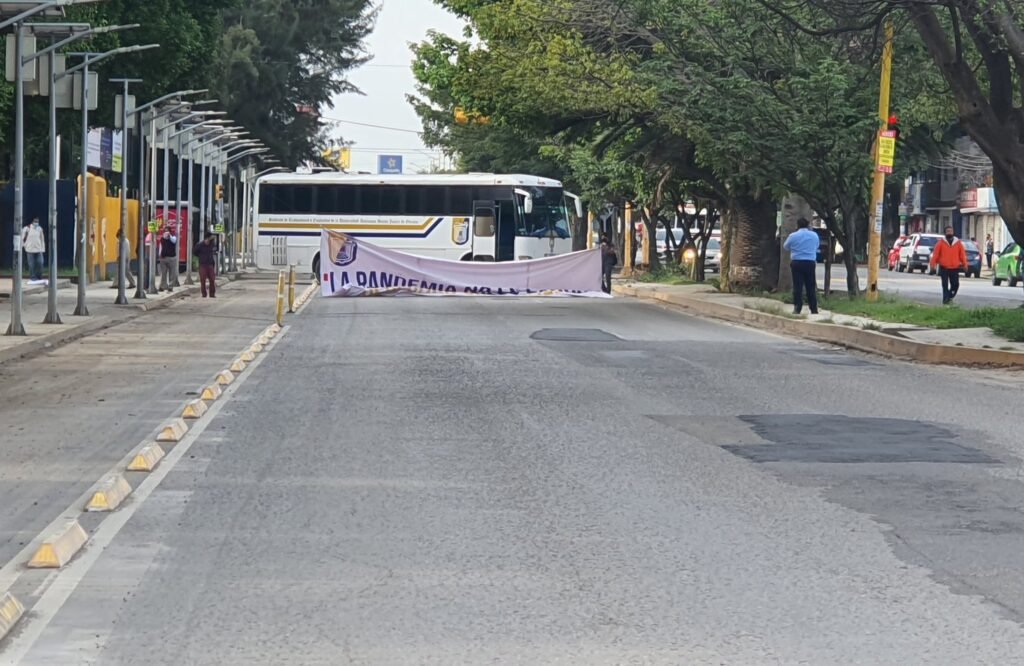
[(75, 32), (17, 327), (140, 291), (89, 59)]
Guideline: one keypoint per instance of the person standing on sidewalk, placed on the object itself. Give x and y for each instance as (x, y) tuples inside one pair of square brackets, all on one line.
[(168, 257), (608, 260), (990, 249), (33, 242), (951, 257), (126, 248), (802, 246), (206, 252)]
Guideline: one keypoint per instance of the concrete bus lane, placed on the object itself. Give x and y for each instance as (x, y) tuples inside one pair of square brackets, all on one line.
[(68, 415)]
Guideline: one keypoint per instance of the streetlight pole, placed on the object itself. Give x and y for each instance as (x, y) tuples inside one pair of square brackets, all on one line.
[(140, 290)]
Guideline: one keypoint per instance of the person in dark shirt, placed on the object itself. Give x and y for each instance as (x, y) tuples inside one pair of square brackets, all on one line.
[(206, 252), (608, 260), (168, 256)]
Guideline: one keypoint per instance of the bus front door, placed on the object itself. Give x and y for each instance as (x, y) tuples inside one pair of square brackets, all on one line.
[(485, 231), (506, 234)]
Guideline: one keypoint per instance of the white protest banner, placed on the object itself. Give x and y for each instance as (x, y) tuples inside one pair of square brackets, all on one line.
[(353, 267)]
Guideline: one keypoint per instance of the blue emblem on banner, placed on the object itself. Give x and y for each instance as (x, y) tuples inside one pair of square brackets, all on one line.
[(343, 249)]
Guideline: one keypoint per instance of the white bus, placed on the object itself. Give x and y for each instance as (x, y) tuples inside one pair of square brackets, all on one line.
[(473, 217)]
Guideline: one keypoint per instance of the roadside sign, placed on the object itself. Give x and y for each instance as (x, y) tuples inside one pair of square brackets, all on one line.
[(218, 228), (153, 226), (389, 164), (886, 151)]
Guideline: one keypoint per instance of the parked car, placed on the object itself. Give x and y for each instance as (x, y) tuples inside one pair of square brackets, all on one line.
[(713, 256), (1006, 266), (894, 253), (917, 252), (973, 259), (662, 244)]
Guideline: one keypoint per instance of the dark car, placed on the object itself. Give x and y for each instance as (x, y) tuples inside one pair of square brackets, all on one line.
[(973, 259)]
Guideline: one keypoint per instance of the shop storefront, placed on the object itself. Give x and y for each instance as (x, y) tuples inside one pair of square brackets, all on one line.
[(981, 216)]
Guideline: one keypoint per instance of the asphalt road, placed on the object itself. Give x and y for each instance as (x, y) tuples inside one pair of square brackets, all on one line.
[(924, 288), (443, 481)]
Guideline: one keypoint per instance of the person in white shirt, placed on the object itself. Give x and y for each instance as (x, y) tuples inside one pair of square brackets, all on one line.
[(34, 244)]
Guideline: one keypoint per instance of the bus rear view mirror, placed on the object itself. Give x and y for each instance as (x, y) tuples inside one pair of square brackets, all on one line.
[(527, 201)]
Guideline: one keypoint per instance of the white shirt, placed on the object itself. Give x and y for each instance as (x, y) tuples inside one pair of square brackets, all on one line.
[(32, 239)]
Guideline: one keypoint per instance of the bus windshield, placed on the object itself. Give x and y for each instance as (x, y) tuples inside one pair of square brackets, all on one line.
[(549, 216)]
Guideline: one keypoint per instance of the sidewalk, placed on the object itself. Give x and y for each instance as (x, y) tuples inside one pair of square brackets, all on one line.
[(6, 285), (970, 346), (102, 314)]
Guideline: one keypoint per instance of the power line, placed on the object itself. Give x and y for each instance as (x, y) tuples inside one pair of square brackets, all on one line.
[(383, 127)]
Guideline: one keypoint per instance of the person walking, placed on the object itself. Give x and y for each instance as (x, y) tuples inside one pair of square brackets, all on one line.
[(608, 260), (168, 257), (990, 249), (33, 241), (802, 246), (206, 252), (951, 257), (126, 248)]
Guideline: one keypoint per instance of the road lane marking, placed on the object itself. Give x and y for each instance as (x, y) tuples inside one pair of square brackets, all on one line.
[(66, 581)]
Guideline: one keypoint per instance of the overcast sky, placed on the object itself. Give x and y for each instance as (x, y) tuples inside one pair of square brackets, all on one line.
[(385, 82)]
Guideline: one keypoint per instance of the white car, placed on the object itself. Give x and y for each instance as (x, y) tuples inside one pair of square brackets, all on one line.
[(917, 252), (713, 256)]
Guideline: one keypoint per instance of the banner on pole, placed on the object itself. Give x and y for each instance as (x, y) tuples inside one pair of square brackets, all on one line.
[(353, 267)]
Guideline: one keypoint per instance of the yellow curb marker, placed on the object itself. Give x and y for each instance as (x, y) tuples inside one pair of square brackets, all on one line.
[(237, 365), (225, 377), (256, 348), (248, 356), (147, 459), (11, 611), (211, 392), (195, 409), (58, 548), (172, 431), (111, 492)]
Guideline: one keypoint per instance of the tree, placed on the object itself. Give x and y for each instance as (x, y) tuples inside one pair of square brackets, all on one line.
[(281, 61), (978, 48)]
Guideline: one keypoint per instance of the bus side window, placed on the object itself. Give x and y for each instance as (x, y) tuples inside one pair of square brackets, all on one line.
[(434, 203), (280, 199), (369, 200), (415, 201), (392, 200), (345, 200), (460, 200), (303, 199)]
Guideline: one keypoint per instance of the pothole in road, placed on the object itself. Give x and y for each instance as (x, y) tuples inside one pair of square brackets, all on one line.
[(574, 335), (833, 438)]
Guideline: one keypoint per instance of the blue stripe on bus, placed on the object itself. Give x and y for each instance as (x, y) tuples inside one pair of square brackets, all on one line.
[(356, 234)]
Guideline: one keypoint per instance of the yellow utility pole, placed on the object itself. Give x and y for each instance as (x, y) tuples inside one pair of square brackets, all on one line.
[(878, 187), (590, 230)]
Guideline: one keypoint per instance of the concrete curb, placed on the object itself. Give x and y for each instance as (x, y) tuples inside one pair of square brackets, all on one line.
[(871, 342), (172, 431), (195, 409), (11, 611), (58, 548), (109, 494), (147, 459)]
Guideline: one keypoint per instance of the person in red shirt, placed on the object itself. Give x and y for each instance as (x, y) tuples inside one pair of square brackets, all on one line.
[(951, 257)]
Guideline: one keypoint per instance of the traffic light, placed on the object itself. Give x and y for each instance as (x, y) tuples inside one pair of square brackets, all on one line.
[(894, 124), (218, 192)]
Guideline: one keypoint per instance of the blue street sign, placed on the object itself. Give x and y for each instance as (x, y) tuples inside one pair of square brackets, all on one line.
[(389, 164)]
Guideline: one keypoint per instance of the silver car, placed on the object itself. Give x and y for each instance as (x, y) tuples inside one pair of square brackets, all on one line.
[(713, 257)]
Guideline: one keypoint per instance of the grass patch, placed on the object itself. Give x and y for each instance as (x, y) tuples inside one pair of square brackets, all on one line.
[(1007, 323), (665, 275), (870, 326)]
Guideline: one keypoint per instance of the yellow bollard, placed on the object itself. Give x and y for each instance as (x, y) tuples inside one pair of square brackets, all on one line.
[(280, 298), (291, 289)]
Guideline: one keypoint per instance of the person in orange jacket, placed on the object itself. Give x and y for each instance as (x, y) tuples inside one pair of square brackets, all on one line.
[(951, 258)]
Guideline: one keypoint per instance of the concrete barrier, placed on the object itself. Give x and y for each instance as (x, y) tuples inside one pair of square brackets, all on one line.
[(225, 377), (110, 492), (147, 459), (257, 347), (172, 431), (248, 356), (58, 548), (195, 409), (11, 611), (238, 365), (872, 342), (211, 392)]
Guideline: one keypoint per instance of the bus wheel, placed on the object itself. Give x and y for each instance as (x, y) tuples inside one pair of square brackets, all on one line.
[(316, 268), (467, 257)]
